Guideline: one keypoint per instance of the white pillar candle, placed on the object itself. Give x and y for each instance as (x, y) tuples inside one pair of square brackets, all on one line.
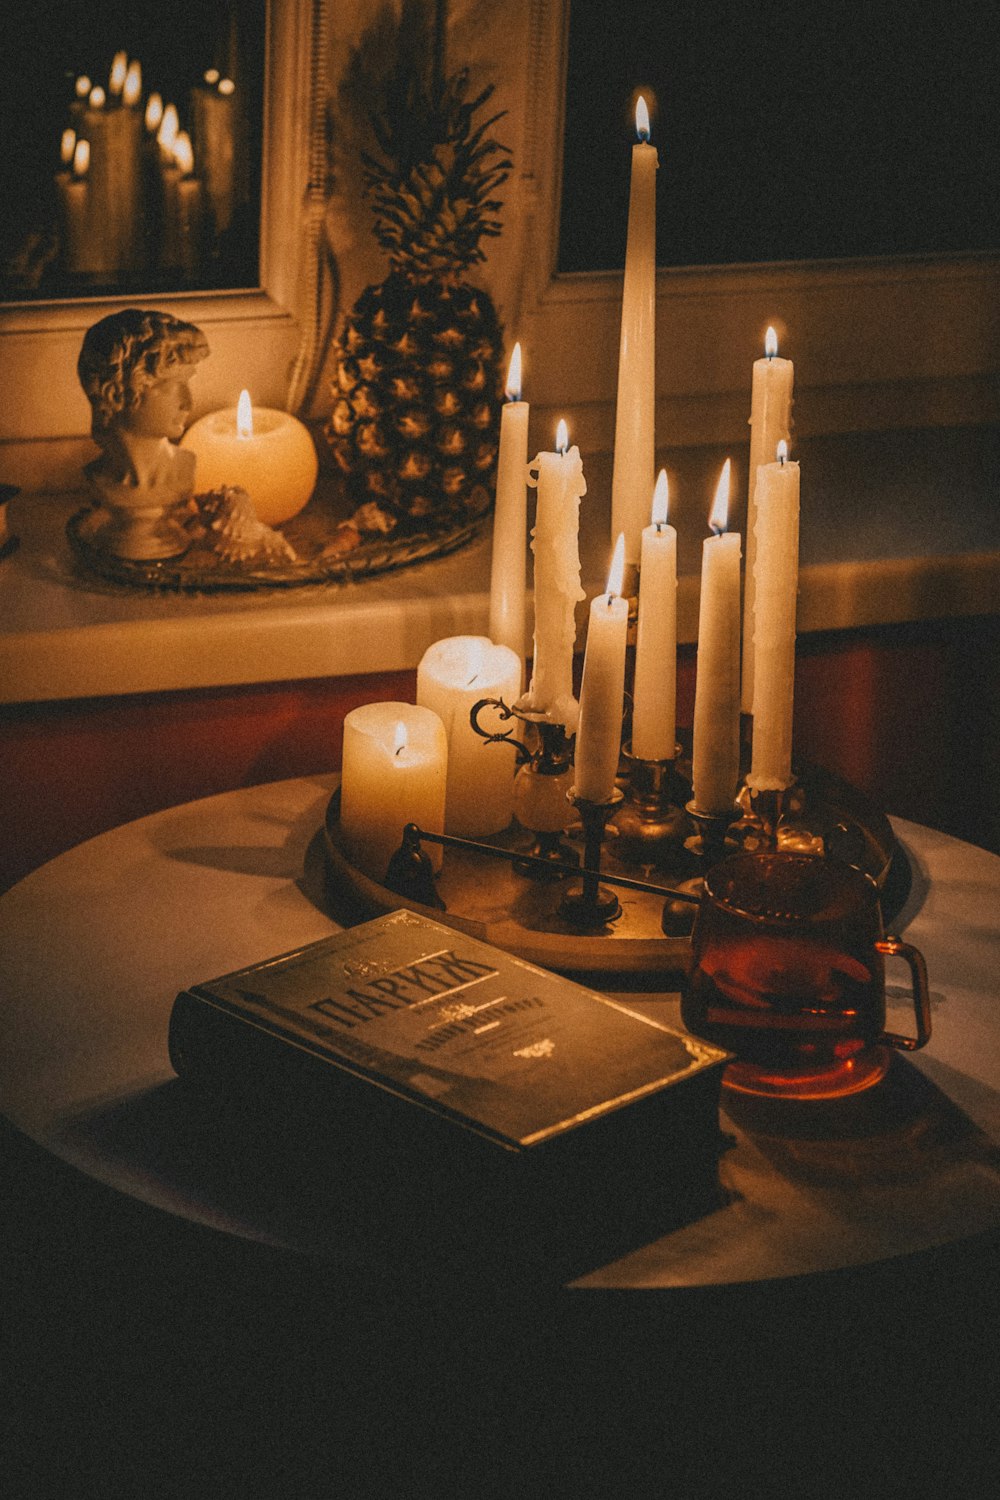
[(716, 750), (602, 692), (510, 521), (266, 452), (654, 691), (452, 676), (774, 634), (556, 547), (634, 456), (770, 424), (393, 772)]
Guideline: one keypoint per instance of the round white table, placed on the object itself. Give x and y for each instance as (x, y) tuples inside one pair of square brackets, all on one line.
[(95, 945)]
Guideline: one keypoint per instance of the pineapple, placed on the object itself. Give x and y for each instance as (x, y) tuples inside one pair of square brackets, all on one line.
[(416, 414)]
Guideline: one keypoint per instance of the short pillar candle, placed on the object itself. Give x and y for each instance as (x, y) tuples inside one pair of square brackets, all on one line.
[(394, 771)]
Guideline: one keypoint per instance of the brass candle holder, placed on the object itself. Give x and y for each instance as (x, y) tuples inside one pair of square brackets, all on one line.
[(651, 823), (540, 787), (591, 905)]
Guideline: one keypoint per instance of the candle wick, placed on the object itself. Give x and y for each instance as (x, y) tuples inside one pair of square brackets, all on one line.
[(472, 679), (400, 750)]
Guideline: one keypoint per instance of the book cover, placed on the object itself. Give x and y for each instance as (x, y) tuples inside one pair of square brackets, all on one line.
[(469, 1105), (500, 1046)]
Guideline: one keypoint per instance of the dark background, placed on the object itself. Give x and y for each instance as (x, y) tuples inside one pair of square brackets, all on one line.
[(786, 129)]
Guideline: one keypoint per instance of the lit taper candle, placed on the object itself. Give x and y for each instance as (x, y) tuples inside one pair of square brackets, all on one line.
[(716, 748), (774, 633), (654, 693), (770, 424), (634, 456), (556, 546), (510, 521), (602, 692)]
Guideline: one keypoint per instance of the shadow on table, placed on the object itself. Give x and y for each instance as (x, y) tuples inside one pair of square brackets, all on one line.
[(350, 1186)]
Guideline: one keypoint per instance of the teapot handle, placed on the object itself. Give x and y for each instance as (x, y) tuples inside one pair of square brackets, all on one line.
[(894, 947)]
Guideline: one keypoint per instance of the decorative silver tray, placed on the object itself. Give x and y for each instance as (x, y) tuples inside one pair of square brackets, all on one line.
[(312, 533), (486, 898)]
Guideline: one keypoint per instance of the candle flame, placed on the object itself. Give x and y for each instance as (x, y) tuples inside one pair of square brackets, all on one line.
[(82, 86), (132, 87), (183, 153), (97, 97), (244, 416), (770, 343), (81, 158), (512, 390), (661, 499), (67, 146), (226, 86), (119, 68), (154, 112), (642, 119), (616, 574), (782, 452), (720, 505), (401, 738), (211, 75), (169, 126), (562, 437)]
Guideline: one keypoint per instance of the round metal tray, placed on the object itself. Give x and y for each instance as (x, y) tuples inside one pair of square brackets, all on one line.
[(486, 898), (310, 533)]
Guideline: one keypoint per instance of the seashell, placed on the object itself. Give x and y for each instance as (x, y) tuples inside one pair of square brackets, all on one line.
[(236, 535)]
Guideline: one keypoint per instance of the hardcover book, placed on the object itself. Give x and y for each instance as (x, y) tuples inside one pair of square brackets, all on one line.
[(506, 1089)]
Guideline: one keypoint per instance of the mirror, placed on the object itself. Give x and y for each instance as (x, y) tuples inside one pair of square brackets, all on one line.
[(132, 148)]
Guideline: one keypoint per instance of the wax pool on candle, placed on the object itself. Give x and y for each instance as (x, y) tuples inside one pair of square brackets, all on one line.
[(394, 771), (556, 547), (654, 714), (509, 561), (770, 424), (602, 692), (774, 633), (632, 475), (716, 748), (268, 453), (452, 676)]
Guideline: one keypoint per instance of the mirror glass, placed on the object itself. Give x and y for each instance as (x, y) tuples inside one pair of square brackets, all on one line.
[(131, 158)]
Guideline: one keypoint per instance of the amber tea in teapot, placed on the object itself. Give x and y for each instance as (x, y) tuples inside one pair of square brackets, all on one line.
[(788, 973)]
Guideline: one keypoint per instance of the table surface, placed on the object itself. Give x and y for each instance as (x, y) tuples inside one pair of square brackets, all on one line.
[(95, 945), (896, 526)]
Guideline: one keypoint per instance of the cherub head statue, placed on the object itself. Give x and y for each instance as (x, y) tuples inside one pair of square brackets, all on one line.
[(134, 367)]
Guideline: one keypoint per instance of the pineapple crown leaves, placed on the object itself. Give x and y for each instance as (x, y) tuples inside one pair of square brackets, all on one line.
[(433, 188)]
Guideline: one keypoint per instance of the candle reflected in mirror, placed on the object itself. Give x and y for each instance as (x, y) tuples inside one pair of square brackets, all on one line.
[(132, 87), (119, 70)]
